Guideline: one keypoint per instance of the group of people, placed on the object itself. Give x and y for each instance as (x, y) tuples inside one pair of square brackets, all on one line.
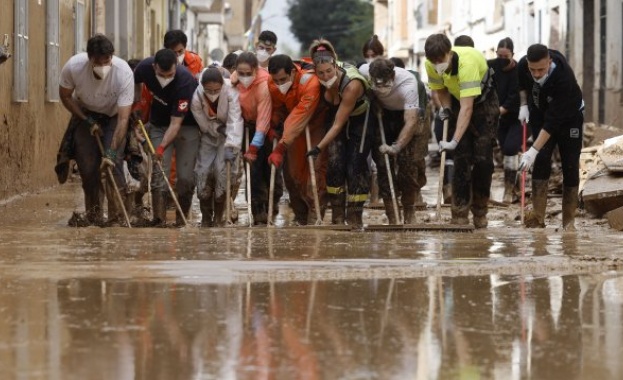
[(319, 127)]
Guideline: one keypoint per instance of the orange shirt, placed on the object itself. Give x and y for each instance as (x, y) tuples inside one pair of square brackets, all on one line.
[(255, 101), (193, 62)]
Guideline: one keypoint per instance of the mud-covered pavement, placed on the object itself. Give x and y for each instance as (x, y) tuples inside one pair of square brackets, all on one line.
[(190, 303)]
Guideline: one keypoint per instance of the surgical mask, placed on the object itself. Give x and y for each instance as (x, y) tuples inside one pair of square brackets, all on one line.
[(544, 78), (329, 83), (283, 88), (164, 81), (440, 68), (180, 59), (102, 71), (213, 97), (246, 81), (383, 90), (262, 55)]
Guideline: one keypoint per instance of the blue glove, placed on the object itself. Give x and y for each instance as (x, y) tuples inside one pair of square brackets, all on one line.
[(258, 139), (230, 155)]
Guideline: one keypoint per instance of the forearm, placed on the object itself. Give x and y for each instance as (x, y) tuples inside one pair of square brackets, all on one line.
[(338, 125), (463, 120), (409, 129), (541, 139), (73, 107), (123, 116), (444, 98), (523, 98), (172, 131)]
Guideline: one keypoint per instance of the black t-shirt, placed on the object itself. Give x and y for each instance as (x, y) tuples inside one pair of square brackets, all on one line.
[(558, 100), (174, 99), (507, 87)]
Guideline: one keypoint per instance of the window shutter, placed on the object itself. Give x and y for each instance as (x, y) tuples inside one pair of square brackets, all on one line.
[(52, 50), (20, 61)]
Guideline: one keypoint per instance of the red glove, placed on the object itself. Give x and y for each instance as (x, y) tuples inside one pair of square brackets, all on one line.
[(251, 154), (159, 152), (272, 135), (276, 157)]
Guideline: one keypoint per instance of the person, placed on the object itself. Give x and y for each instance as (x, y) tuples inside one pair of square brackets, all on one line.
[(373, 48), (344, 93), (464, 40), (509, 130), (295, 94), (96, 88), (396, 92), (256, 107), (216, 108), (170, 126), (462, 73), (551, 100), (177, 40), (265, 47)]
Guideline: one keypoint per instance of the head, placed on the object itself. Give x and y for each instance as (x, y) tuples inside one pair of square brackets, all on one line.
[(100, 51), (373, 48), (266, 45), (539, 61), (133, 63), (437, 49), (176, 40), (212, 83), (165, 63), (464, 40), (229, 62), (382, 75), (504, 51), (325, 62), (282, 71), (246, 67), (398, 62)]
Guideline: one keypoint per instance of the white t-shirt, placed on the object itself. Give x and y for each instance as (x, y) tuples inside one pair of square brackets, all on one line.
[(102, 96), (404, 93)]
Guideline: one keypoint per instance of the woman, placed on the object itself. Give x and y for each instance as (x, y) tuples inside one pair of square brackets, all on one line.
[(373, 48), (344, 93), (216, 108)]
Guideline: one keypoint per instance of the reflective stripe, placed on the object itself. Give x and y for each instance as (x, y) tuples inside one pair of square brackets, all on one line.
[(435, 80), (357, 197), (468, 85), (335, 190)]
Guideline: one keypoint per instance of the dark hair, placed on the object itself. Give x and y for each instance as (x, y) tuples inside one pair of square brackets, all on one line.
[(381, 69), (373, 44), (267, 35), (322, 51), (248, 58), (229, 62), (212, 74), (537, 52), (175, 37), (133, 63), (165, 58), (398, 62), (506, 43), (99, 46), (436, 47), (278, 62), (464, 40)]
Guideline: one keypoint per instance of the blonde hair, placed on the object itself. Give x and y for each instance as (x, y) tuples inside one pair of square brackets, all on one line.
[(322, 51)]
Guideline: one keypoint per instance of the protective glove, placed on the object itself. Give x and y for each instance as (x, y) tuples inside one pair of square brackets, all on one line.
[(391, 150), (444, 113), (230, 155), (276, 157), (524, 113), (272, 135), (527, 160), (448, 145), (258, 139), (108, 161), (159, 153), (314, 152), (94, 128), (251, 154)]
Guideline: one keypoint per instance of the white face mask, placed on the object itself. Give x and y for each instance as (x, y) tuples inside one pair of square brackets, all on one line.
[(164, 81), (262, 55), (329, 83), (369, 60), (440, 68), (180, 59), (246, 81), (212, 97), (541, 81), (283, 88), (384, 89), (101, 71)]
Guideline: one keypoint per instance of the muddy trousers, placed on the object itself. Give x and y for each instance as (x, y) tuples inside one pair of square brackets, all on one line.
[(88, 158)]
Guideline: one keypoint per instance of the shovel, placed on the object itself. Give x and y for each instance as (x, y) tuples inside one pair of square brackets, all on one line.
[(312, 172), (389, 170)]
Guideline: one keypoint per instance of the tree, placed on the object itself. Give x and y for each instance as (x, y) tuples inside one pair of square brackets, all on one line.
[(348, 24)]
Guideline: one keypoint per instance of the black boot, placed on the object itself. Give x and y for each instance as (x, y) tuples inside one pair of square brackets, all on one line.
[(158, 199), (448, 176), (338, 205), (207, 212), (536, 217), (219, 208), (185, 203), (355, 215), (569, 206)]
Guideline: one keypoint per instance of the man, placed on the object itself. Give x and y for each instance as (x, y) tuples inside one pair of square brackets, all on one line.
[(176, 40), (462, 73), (406, 138), (265, 47), (295, 95), (96, 87), (170, 124), (552, 101)]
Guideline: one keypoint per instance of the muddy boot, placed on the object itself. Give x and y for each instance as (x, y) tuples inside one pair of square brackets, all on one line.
[(158, 199), (355, 215), (185, 203), (480, 206), (374, 189), (207, 212), (510, 191), (259, 214), (569, 206), (448, 176), (409, 213), (219, 209), (389, 210), (460, 215), (338, 205), (536, 217)]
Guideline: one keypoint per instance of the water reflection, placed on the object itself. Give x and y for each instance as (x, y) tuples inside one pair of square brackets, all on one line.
[(494, 327)]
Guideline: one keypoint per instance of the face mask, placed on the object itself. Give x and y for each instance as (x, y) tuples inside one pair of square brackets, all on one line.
[(212, 97), (180, 59), (246, 81), (262, 55), (503, 62), (544, 78), (164, 81), (440, 68), (369, 60), (102, 71), (283, 88), (329, 83), (384, 90)]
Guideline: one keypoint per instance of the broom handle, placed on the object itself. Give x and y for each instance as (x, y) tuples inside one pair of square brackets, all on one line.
[(248, 167), (271, 189), (442, 170), (312, 172), (228, 193), (389, 171), (523, 173)]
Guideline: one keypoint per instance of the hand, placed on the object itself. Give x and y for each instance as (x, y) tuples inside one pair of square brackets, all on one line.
[(272, 135), (276, 157), (230, 155), (108, 161), (524, 113), (314, 152), (527, 160), (159, 154), (391, 150), (444, 113), (96, 130), (251, 154), (448, 145)]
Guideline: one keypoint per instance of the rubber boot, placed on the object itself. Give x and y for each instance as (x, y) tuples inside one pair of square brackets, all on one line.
[(480, 206), (185, 203), (219, 209), (409, 213), (510, 191), (159, 206), (448, 176), (338, 205), (536, 217), (354, 215), (389, 210), (569, 206), (207, 212), (259, 213), (460, 214), (374, 189)]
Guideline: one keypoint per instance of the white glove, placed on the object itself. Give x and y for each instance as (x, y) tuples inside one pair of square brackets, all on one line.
[(448, 145), (444, 113), (524, 113), (527, 160), (391, 150)]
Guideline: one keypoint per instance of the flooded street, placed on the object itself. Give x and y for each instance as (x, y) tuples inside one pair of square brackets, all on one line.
[(239, 303)]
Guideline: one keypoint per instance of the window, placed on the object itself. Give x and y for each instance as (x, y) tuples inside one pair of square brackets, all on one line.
[(80, 43), (20, 60), (52, 50)]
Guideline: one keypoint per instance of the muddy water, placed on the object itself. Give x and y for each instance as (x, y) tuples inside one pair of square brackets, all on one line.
[(191, 303)]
